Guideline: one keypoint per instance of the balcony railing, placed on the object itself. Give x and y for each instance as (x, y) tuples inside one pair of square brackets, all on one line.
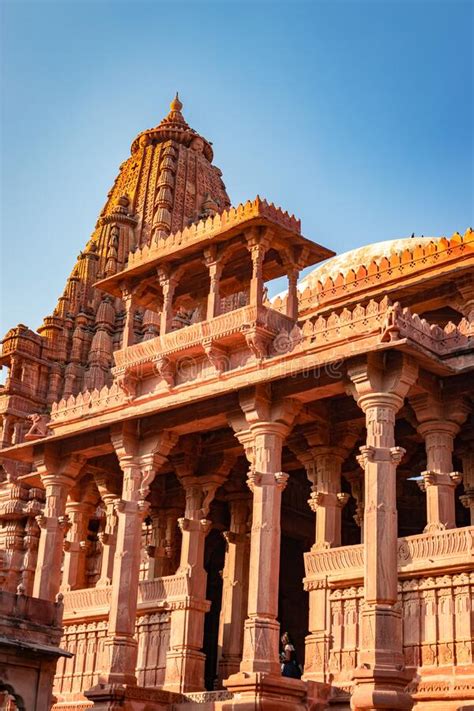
[(222, 330), (425, 552)]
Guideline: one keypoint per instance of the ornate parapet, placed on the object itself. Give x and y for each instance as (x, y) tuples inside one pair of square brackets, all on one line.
[(425, 553), (88, 403), (376, 275), (253, 325), (212, 226)]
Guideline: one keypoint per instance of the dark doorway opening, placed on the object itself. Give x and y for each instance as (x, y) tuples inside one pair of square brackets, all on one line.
[(293, 602), (214, 556)]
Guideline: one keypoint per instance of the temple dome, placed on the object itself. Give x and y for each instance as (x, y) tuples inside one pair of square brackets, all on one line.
[(354, 258)]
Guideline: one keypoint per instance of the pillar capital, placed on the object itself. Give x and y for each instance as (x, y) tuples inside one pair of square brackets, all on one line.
[(438, 409), (381, 380)]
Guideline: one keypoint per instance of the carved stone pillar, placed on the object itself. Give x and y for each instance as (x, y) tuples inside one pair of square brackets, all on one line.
[(292, 298), (108, 537), (379, 387), (139, 461), (234, 589), (215, 271), (75, 546), (185, 661), (128, 338), (58, 478), (262, 430), (259, 683), (30, 545), (326, 498), (439, 422), (257, 246), (168, 284)]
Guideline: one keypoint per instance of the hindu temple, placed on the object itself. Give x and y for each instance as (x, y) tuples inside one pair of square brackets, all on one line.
[(191, 467)]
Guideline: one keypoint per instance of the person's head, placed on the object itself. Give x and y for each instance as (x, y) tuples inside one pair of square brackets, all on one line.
[(285, 638)]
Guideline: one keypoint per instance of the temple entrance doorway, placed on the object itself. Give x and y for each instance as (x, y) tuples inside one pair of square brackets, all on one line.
[(214, 557), (293, 603)]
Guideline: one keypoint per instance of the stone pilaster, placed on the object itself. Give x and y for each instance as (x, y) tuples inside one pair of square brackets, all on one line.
[(439, 421), (234, 589), (58, 477), (379, 387)]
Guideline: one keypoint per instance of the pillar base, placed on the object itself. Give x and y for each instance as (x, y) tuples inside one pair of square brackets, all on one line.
[(265, 692), (381, 689), (120, 697), (184, 671)]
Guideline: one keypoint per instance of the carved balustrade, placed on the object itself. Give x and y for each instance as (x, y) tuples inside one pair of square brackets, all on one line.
[(85, 631), (198, 338), (436, 593)]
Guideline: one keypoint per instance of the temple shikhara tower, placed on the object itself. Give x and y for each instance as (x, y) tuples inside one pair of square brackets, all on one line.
[(190, 468)]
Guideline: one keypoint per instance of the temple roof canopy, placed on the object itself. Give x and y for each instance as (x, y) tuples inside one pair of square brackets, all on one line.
[(222, 231)]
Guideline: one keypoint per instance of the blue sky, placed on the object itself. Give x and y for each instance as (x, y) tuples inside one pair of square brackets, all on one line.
[(355, 115)]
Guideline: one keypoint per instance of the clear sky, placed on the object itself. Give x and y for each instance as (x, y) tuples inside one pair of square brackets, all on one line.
[(355, 115)]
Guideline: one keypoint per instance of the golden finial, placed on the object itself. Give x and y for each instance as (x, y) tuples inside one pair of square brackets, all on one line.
[(176, 104)]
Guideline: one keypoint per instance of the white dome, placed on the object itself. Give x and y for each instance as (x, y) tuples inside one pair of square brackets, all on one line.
[(353, 259)]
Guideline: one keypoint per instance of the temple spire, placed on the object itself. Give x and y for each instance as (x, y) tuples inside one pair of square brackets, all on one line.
[(176, 104)]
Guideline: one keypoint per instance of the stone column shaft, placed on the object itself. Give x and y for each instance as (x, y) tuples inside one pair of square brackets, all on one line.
[(168, 285), (439, 481), (185, 661), (108, 540), (266, 481), (128, 338), (53, 525), (213, 300), (292, 298), (121, 643), (234, 591), (327, 500), (257, 253), (379, 384), (74, 568)]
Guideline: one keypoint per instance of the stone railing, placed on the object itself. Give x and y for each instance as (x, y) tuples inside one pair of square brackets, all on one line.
[(389, 321), (212, 226), (429, 552), (85, 632), (402, 265), (197, 334), (88, 602), (424, 553), (161, 590), (152, 595), (344, 563)]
